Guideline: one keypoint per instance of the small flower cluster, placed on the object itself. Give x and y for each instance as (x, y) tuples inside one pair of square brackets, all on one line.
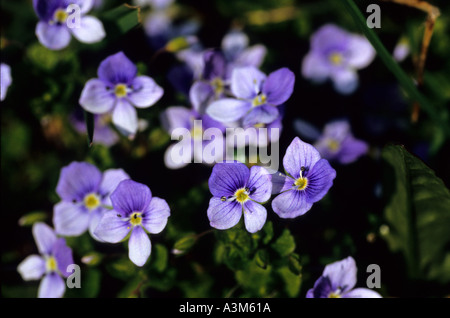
[(54, 30), (109, 205), (230, 91), (119, 90), (337, 54), (338, 281), (227, 89), (236, 189)]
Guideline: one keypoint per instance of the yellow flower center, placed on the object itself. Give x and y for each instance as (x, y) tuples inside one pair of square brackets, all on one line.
[(218, 85), (136, 218), (60, 16), (241, 195), (336, 58), (120, 90), (333, 145), (197, 132), (259, 100), (91, 201), (301, 183), (334, 295), (51, 265)]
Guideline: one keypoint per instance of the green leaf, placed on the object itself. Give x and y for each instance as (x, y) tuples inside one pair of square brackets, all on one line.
[(30, 218), (123, 18), (262, 258), (285, 244), (122, 268), (292, 282), (159, 257), (294, 264), (91, 282), (184, 244), (255, 281), (417, 213)]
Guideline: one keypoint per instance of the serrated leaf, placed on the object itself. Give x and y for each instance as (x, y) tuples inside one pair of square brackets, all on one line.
[(417, 213)]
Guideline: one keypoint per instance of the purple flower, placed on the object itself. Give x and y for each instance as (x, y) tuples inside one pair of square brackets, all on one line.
[(337, 54), (55, 256), (193, 127), (238, 53), (119, 90), (338, 280), (236, 189), (213, 83), (54, 30), (135, 212), (5, 80), (338, 144), (307, 181), (257, 96), (85, 192)]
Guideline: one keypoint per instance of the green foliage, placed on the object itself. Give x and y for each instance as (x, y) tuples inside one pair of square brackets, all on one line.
[(418, 214), (264, 263)]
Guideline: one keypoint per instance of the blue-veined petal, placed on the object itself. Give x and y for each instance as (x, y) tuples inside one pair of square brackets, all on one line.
[(226, 178), (223, 215), (130, 197), (154, 219)]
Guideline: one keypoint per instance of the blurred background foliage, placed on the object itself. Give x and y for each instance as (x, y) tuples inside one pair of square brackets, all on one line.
[(389, 208)]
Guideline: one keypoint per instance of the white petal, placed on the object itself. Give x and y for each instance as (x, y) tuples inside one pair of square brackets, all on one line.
[(125, 116), (90, 30), (139, 246), (32, 267)]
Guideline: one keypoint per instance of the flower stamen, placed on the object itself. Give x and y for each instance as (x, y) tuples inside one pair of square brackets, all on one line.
[(121, 90), (241, 195), (51, 265), (336, 58), (136, 218), (259, 100), (60, 16), (91, 201)]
